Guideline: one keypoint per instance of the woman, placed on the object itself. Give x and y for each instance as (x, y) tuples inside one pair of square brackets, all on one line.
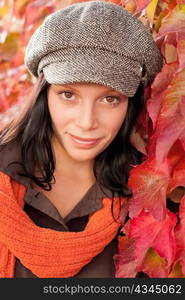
[(66, 160)]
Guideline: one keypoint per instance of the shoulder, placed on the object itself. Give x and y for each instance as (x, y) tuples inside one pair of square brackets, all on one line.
[(9, 153)]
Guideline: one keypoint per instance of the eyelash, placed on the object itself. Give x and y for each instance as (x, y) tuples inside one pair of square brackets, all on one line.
[(112, 97)]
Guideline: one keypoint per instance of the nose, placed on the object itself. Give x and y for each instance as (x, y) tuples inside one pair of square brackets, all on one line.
[(87, 117)]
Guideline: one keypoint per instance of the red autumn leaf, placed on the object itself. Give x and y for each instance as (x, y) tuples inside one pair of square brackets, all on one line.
[(170, 53), (19, 7), (65, 3), (149, 246), (4, 67), (182, 106), (153, 107), (176, 165), (124, 269), (18, 59), (180, 237), (159, 85), (173, 22), (163, 78), (171, 4), (181, 53), (148, 232), (182, 211), (171, 119), (141, 4), (15, 89), (168, 47), (125, 260), (36, 11), (171, 39), (181, 34), (149, 187), (143, 119), (175, 155), (4, 104), (178, 178), (182, 139)]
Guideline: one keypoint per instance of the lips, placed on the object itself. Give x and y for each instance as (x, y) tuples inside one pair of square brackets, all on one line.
[(84, 139)]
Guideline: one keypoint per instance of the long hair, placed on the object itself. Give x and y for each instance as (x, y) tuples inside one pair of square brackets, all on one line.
[(33, 131)]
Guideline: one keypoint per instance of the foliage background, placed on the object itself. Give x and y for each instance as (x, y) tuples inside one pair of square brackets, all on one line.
[(153, 241)]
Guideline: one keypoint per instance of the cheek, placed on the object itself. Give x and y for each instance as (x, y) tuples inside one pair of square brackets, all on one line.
[(54, 107), (115, 127), (114, 122), (58, 116), (54, 117)]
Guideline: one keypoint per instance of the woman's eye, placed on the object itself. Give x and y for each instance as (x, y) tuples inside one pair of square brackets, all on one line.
[(67, 95), (111, 100)]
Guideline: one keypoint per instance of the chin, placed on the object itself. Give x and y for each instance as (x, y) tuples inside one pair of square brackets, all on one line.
[(82, 156)]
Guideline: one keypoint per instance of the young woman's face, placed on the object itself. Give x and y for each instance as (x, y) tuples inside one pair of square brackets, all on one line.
[(85, 117)]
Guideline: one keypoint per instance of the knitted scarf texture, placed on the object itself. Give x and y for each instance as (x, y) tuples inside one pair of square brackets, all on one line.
[(46, 252)]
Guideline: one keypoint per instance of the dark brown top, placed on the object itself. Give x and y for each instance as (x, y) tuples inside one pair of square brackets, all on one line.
[(45, 214)]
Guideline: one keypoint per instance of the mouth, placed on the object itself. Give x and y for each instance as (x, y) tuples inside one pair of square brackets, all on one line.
[(85, 141)]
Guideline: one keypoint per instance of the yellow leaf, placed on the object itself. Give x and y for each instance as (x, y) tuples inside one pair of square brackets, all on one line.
[(131, 6), (154, 265), (20, 6), (170, 53), (150, 10), (177, 271), (9, 48), (182, 6), (3, 11)]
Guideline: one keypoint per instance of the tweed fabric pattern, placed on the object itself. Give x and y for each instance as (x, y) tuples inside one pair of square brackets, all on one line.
[(96, 41)]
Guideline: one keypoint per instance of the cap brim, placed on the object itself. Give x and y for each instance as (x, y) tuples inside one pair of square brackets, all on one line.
[(94, 66)]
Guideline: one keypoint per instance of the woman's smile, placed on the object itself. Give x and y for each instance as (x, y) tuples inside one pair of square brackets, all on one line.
[(84, 142)]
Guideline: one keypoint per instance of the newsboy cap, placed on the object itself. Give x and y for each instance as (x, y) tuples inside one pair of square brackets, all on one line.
[(94, 42)]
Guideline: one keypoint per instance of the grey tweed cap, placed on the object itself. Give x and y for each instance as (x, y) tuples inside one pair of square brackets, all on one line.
[(94, 42)]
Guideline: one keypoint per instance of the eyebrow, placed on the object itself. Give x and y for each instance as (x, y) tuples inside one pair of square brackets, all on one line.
[(107, 89)]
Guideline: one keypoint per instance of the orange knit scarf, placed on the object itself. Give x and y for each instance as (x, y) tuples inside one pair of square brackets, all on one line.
[(48, 253)]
